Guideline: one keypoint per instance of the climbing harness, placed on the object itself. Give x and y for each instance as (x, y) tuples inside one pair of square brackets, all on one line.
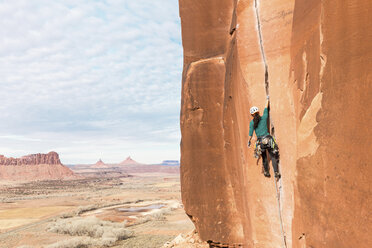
[(266, 142), (257, 150), (275, 148)]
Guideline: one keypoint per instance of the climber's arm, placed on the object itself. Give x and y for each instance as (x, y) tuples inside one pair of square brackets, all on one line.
[(249, 141), (250, 133), (265, 113), (266, 110)]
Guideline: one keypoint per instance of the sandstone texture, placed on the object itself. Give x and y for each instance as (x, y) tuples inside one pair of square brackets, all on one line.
[(317, 57), (34, 167)]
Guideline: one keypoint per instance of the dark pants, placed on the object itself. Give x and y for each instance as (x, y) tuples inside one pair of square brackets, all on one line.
[(274, 160)]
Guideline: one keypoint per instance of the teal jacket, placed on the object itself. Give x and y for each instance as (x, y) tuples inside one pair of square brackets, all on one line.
[(261, 129)]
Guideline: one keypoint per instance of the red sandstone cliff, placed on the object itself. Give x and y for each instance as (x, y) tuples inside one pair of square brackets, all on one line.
[(33, 159), (34, 167), (318, 59)]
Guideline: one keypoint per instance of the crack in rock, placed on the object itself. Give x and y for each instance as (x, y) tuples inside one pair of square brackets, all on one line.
[(256, 2), (262, 48)]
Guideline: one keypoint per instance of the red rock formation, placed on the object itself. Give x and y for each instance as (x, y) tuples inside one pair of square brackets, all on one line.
[(99, 163), (318, 57), (33, 159), (128, 161), (34, 167), (131, 166)]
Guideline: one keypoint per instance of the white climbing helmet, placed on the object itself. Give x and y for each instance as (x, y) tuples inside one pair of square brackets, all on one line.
[(253, 110)]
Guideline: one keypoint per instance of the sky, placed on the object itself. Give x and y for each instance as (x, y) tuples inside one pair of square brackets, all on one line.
[(90, 79)]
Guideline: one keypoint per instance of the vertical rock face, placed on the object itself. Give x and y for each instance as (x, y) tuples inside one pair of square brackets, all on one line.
[(318, 59), (34, 167)]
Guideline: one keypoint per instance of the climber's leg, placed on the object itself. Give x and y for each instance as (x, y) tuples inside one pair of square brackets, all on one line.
[(274, 161), (265, 163)]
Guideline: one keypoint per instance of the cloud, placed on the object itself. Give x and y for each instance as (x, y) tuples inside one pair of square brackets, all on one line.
[(88, 70)]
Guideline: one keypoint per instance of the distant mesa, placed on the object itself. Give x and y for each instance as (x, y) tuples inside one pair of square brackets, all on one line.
[(170, 163), (34, 167), (129, 161), (33, 159), (130, 166)]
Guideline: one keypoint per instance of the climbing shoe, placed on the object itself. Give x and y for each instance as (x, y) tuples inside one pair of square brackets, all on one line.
[(267, 174), (277, 175)]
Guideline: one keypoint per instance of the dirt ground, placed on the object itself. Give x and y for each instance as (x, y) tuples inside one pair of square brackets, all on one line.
[(150, 204)]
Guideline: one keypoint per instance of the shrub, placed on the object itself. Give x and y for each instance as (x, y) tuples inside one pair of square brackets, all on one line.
[(88, 208), (158, 214), (103, 232), (78, 242)]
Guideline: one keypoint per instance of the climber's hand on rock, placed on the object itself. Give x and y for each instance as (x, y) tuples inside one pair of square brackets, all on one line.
[(268, 101), (249, 143)]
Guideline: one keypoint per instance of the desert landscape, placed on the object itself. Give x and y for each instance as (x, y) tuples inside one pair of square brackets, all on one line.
[(96, 205), (260, 112)]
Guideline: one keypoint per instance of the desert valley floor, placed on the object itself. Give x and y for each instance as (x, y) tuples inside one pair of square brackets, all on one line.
[(59, 213)]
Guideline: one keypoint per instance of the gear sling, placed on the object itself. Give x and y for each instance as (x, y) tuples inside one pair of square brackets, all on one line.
[(263, 144)]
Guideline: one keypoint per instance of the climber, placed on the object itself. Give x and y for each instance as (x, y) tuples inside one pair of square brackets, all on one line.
[(264, 140)]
